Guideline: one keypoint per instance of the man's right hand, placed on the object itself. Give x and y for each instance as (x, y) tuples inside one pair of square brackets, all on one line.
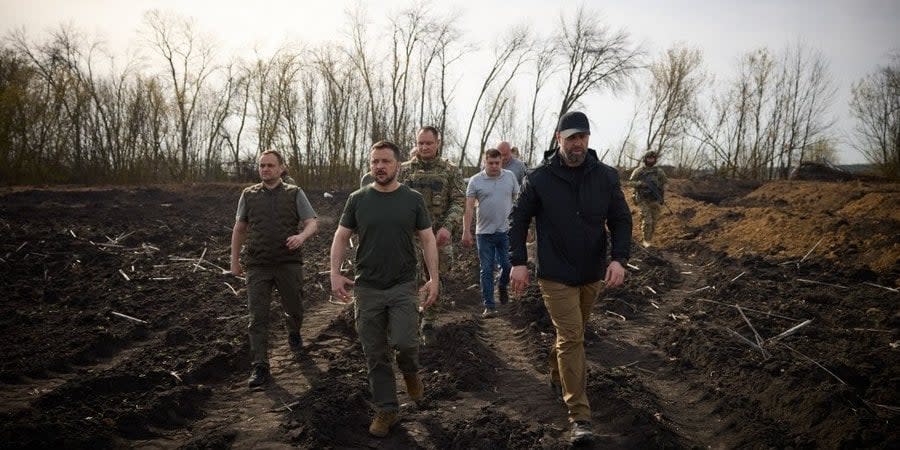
[(467, 239), (430, 289), (236, 269), (339, 287), (518, 279)]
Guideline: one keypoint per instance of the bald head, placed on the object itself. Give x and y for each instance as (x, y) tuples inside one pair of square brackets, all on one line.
[(505, 152)]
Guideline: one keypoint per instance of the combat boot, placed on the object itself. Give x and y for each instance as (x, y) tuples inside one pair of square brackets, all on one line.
[(383, 422), (414, 386)]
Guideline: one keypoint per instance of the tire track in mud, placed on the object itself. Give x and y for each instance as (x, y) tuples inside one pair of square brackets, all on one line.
[(244, 418), (522, 390), (22, 395), (684, 406)]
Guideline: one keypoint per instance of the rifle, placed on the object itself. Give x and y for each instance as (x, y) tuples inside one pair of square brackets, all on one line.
[(654, 189)]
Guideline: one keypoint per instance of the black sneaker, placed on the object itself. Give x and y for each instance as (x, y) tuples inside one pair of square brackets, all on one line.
[(581, 432), (295, 341), (259, 376), (504, 295)]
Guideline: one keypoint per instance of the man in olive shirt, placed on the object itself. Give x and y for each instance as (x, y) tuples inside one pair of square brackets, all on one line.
[(268, 219), (386, 215)]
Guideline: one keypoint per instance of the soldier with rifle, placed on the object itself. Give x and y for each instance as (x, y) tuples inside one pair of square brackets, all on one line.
[(649, 182)]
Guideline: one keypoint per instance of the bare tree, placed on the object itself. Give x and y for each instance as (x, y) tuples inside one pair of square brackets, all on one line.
[(806, 93), (875, 104), (448, 54), (675, 80), (407, 31), (241, 109), (769, 116), (628, 148), (359, 56), (189, 62), (217, 109), (544, 66), (292, 110), (509, 51), (595, 57), (442, 33), (310, 83), (27, 113)]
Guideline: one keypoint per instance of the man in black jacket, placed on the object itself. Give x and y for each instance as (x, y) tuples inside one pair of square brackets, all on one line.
[(574, 199)]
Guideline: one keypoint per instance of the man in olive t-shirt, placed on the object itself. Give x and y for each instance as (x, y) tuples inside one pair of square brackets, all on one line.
[(386, 214)]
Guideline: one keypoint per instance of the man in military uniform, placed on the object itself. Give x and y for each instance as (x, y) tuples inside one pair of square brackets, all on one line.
[(440, 183), (649, 182), (366, 179)]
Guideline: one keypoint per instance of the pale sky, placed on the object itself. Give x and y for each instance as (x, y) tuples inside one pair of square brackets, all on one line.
[(855, 36)]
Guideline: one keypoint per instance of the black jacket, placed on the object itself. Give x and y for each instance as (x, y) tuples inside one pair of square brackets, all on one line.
[(573, 209)]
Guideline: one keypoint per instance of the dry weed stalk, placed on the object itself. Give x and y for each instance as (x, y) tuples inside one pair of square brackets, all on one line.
[(126, 316), (197, 264), (759, 339), (813, 361), (803, 280)]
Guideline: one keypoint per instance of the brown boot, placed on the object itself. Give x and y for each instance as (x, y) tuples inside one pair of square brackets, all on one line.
[(414, 386), (383, 422)]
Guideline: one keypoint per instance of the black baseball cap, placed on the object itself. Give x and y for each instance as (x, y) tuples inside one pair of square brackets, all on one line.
[(573, 122)]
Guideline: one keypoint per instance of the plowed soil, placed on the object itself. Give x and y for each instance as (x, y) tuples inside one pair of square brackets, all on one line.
[(764, 316)]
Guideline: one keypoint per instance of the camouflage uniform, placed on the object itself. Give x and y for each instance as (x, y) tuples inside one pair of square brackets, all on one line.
[(366, 179), (649, 185), (440, 183)]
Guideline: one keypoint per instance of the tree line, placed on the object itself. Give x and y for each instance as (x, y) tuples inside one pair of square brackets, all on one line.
[(181, 111)]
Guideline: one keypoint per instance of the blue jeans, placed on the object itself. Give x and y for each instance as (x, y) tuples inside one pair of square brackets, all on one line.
[(493, 250)]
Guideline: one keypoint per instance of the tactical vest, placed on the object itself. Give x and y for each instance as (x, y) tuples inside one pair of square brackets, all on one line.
[(272, 217), (432, 179)]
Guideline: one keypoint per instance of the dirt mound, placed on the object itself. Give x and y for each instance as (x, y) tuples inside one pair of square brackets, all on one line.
[(849, 224), (820, 172), (713, 190)]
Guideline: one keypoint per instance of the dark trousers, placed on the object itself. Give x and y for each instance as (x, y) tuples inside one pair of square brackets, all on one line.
[(288, 279)]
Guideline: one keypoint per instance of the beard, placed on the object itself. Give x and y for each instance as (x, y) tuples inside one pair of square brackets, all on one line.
[(388, 180), (574, 159)]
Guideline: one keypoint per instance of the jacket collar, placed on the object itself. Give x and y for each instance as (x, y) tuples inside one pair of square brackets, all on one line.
[(278, 187), (426, 165), (554, 161)]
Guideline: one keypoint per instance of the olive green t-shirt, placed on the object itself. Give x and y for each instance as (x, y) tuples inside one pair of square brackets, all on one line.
[(386, 223)]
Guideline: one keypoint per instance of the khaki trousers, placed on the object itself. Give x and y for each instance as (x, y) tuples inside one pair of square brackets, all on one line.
[(570, 308)]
